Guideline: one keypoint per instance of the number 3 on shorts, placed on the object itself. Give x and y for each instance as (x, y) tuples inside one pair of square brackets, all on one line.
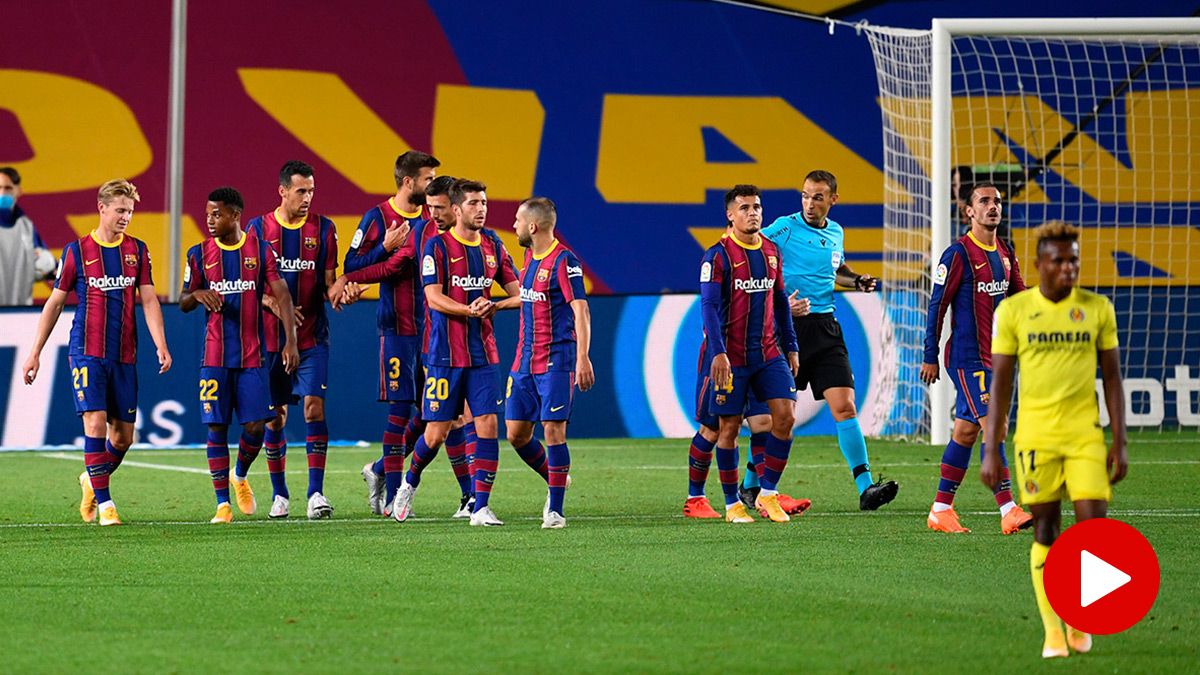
[(437, 389)]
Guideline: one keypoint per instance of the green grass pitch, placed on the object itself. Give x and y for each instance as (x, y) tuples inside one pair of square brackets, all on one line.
[(629, 585)]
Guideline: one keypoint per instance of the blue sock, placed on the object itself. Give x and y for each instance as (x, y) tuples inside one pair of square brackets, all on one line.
[(854, 449), (487, 458), (276, 448), (758, 444), (420, 458), (700, 456), (316, 448), (560, 468), (775, 458), (727, 470)]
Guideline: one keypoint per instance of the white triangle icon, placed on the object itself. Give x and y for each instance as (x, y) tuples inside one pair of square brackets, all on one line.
[(1097, 578)]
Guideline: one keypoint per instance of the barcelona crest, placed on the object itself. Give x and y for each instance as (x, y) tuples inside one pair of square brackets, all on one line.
[(434, 405), (79, 394), (394, 385), (490, 260), (543, 274), (720, 399), (985, 398), (1076, 314), (131, 260), (250, 263), (207, 408), (310, 243), (773, 261)]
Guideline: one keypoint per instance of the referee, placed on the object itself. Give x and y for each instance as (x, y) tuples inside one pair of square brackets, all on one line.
[(814, 260)]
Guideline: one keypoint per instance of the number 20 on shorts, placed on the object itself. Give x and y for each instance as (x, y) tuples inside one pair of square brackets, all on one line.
[(437, 389)]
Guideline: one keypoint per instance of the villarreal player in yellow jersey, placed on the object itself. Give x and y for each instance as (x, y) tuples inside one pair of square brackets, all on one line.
[(1057, 333)]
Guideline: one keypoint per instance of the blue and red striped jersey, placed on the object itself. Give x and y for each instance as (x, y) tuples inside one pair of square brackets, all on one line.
[(306, 250), (465, 271), (973, 279), (742, 302), (233, 337), (105, 278), (401, 309), (549, 284)]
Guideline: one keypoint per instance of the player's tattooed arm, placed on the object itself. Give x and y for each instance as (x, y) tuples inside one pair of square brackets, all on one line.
[(585, 377)]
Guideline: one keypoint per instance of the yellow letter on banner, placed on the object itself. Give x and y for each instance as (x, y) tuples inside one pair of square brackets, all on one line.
[(76, 145), (661, 136), (500, 147), (343, 130)]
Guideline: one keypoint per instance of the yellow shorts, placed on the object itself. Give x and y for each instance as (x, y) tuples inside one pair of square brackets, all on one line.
[(1046, 474)]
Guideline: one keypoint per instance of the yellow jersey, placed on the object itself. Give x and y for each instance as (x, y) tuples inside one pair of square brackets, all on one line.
[(1057, 346)]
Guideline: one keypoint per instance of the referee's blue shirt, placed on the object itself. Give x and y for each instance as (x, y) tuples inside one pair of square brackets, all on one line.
[(811, 258)]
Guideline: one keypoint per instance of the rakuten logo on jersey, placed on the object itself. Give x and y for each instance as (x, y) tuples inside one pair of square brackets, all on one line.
[(469, 283), (296, 265), (231, 286), (530, 295), (992, 287), (110, 283), (753, 285)]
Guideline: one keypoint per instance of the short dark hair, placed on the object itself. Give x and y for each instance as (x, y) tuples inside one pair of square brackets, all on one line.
[(970, 190), (409, 165), (542, 210), (1053, 231), (823, 176), (742, 190), (440, 186), (12, 174), (292, 168), (229, 197), (458, 192)]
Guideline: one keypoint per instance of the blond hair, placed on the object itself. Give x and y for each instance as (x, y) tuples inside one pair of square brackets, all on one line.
[(118, 187), (1055, 230)]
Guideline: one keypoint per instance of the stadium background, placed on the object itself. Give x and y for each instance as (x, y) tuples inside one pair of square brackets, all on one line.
[(633, 116)]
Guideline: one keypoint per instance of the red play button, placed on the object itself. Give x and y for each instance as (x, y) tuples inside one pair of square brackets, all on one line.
[(1101, 576)]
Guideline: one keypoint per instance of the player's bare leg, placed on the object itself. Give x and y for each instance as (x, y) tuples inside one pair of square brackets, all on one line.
[(1047, 523), (727, 466), (316, 449), (275, 447)]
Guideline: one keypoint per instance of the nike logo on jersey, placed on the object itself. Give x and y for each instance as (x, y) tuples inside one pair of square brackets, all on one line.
[(558, 408), (454, 260), (980, 265), (89, 262), (210, 266), (324, 387), (131, 410), (500, 402), (739, 264)]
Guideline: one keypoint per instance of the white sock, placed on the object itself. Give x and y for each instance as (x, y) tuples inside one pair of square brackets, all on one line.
[(107, 504), (767, 493), (1006, 508), (240, 479), (938, 507)]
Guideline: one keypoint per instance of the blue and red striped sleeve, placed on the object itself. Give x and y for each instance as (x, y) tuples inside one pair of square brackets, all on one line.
[(507, 273), (145, 274), (783, 311), (68, 268), (270, 263), (331, 244), (193, 273), (946, 280), (712, 280)]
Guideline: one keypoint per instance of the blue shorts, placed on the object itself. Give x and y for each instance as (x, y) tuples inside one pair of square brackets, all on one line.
[(280, 382), (224, 390), (972, 386), (704, 399), (446, 389), (545, 397), (399, 368), (104, 384), (765, 381)]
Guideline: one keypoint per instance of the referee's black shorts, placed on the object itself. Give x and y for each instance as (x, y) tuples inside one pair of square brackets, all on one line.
[(824, 362)]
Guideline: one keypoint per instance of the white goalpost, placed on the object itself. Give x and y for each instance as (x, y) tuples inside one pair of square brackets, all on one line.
[(1090, 121)]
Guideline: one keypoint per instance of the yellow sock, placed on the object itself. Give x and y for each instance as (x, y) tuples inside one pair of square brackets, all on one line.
[(1037, 559)]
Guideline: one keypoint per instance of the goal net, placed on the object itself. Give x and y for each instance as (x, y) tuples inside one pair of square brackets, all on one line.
[(1094, 122)]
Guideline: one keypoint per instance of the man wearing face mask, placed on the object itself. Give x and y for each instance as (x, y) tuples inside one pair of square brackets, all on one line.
[(23, 255)]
